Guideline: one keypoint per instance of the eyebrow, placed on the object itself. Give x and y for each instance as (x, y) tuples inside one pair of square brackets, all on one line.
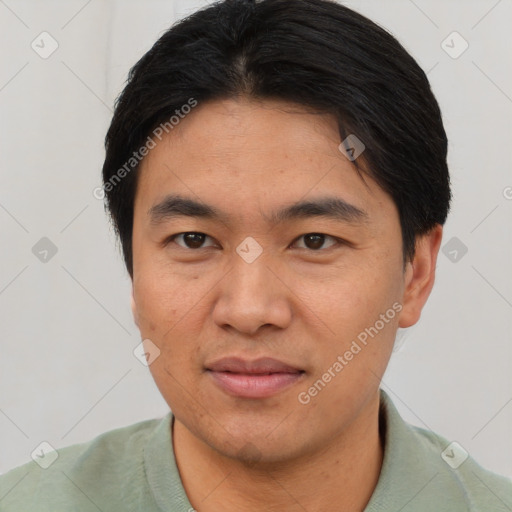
[(174, 206)]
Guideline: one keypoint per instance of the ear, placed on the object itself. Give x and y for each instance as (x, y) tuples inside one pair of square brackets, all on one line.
[(134, 310), (420, 276)]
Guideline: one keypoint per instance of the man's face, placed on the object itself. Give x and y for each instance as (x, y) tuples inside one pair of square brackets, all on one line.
[(318, 284)]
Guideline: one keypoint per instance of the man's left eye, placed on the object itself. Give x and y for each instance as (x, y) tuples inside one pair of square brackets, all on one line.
[(315, 241)]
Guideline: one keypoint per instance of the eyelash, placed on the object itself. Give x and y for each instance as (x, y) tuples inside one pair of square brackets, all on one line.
[(338, 241)]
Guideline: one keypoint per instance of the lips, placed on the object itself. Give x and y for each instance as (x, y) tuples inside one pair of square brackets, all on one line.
[(257, 366), (258, 378)]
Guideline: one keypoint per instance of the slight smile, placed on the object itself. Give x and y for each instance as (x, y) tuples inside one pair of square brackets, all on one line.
[(260, 378)]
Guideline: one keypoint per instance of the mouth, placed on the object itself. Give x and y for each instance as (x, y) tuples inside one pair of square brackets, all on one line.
[(260, 378)]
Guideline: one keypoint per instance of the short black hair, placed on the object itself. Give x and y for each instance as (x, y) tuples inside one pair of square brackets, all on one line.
[(315, 53)]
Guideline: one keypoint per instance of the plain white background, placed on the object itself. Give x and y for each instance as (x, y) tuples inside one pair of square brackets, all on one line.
[(67, 371)]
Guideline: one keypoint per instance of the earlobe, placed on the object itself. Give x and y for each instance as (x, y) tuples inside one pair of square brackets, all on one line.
[(420, 276), (134, 310)]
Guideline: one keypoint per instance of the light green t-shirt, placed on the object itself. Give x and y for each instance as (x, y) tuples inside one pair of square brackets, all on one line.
[(133, 469)]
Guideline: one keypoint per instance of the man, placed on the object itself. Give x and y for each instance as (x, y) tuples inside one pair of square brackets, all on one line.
[(276, 172)]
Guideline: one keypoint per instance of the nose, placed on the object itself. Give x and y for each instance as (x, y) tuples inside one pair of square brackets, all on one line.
[(250, 297)]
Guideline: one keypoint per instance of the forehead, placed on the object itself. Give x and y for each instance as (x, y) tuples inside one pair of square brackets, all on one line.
[(244, 154), (241, 134)]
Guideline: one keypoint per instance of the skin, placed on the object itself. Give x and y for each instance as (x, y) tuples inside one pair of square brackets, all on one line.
[(298, 304)]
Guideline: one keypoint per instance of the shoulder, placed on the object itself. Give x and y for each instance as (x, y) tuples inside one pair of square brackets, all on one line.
[(461, 476), (423, 471), (85, 475)]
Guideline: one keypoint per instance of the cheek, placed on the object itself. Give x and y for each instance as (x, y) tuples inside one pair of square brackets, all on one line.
[(359, 295), (171, 311), (161, 292), (361, 309), (150, 297)]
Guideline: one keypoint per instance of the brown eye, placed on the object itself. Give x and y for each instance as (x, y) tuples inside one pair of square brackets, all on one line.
[(315, 241), (190, 239)]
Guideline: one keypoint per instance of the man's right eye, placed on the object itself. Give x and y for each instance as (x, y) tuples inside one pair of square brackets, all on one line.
[(189, 240)]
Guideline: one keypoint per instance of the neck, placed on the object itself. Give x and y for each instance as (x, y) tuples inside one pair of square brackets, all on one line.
[(344, 472)]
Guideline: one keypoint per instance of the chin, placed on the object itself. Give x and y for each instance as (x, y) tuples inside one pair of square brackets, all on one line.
[(254, 448), (260, 455)]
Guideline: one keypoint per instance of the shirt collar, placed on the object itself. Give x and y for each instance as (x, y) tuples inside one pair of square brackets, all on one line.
[(161, 469), (404, 470)]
